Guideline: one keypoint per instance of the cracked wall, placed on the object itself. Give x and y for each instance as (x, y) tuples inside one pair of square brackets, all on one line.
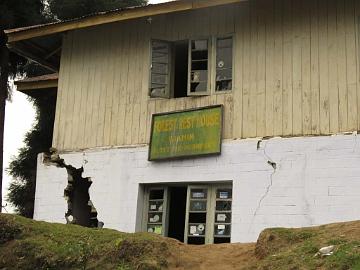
[(290, 182)]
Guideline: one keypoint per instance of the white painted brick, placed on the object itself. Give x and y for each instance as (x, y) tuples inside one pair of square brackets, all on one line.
[(317, 181)]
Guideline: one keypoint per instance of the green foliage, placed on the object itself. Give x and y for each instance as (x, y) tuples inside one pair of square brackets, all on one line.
[(23, 167), (41, 245), (18, 13), (69, 9), (298, 248)]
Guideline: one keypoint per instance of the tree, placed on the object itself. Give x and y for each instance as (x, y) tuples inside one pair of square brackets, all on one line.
[(14, 13), (23, 166), (70, 9)]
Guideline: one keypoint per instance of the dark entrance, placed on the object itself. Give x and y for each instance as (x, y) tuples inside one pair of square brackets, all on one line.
[(177, 212)]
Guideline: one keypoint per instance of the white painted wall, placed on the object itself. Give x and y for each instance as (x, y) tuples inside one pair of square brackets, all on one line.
[(317, 181)]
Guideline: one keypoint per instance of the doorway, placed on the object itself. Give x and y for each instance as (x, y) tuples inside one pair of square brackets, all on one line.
[(192, 213), (177, 212)]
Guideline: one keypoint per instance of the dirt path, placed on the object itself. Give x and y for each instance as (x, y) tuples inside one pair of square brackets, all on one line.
[(212, 257)]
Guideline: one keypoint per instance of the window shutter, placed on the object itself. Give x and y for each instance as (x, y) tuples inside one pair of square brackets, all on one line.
[(160, 69)]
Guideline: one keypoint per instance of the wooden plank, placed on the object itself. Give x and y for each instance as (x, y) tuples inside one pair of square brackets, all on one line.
[(357, 57), (81, 98), (147, 11), (103, 89), (150, 111), (306, 66), (352, 56), (315, 72), (63, 74), (109, 77), (129, 87), (324, 68), (296, 69), (341, 65), (269, 67), (238, 51), (136, 91), (278, 67), (144, 84), (287, 97), (247, 108), (261, 70), (71, 90), (332, 62)]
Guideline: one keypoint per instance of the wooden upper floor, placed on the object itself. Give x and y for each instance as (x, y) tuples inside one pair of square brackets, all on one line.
[(294, 72)]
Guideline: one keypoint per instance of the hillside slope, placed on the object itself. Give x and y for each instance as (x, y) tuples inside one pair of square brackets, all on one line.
[(28, 244)]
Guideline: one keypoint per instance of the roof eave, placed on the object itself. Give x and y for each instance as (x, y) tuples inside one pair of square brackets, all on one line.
[(19, 34)]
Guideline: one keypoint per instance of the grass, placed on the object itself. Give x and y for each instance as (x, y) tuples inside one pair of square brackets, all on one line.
[(27, 244), (294, 249)]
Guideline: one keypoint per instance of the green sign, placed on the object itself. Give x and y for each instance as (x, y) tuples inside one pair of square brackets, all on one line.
[(186, 133)]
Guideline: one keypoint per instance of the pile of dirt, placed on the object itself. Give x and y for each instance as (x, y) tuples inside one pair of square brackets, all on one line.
[(28, 244)]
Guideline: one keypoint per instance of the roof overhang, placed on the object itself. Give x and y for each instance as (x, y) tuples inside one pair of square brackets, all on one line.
[(33, 86), (26, 33), (42, 43)]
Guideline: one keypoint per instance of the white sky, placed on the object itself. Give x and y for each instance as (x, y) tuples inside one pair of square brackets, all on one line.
[(18, 120)]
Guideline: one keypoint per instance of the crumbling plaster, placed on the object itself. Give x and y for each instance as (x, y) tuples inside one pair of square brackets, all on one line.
[(287, 182)]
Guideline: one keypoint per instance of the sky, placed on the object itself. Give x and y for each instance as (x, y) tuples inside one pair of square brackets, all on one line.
[(19, 118)]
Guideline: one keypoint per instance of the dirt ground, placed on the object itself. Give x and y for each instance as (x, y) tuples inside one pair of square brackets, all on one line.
[(212, 257)]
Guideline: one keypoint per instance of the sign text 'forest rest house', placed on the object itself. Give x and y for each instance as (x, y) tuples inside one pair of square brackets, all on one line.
[(186, 133)]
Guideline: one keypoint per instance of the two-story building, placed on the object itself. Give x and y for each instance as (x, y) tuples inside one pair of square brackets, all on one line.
[(281, 150)]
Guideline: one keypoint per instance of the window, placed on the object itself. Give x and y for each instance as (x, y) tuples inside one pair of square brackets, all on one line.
[(199, 58), (194, 214), (184, 68), (224, 62)]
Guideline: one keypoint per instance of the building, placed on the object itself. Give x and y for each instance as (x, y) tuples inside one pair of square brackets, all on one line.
[(286, 73)]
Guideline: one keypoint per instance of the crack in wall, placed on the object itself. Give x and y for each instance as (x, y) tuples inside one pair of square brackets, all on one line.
[(81, 210), (274, 166)]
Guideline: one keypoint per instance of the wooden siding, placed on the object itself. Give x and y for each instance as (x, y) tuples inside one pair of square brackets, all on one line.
[(296, 73)]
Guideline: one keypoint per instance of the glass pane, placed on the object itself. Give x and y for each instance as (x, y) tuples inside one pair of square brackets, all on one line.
[(224, 74), (222, 217), (225, 193), (221, 240), (196, 229), (199, 55), (224, 42), (199, 44), (197, 217), (198, 193), (224, 58), (224, 63), (154, 229), (199, 76), (223, 85), (158, 92), (223, 205), (156, 206), (200, 65), (156, 194), (155, 218), (196, 240), (198, 206), (222, 229), (198, 87)]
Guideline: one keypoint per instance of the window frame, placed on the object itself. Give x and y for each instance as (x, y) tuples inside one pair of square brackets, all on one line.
[(168, 88), (209, 75), (213, 78)]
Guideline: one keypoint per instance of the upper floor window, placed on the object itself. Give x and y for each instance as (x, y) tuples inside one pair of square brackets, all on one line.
[(185, 68)]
